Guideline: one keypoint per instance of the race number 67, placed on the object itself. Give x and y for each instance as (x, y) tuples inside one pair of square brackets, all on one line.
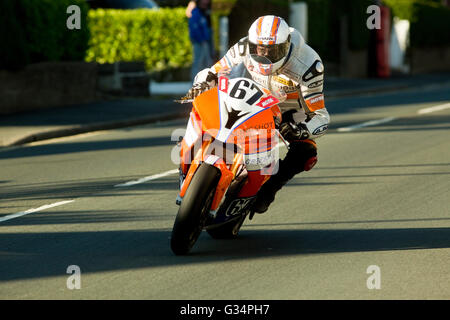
[(239, 92)]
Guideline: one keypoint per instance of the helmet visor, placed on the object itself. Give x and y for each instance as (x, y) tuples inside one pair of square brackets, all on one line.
[(268, 54)]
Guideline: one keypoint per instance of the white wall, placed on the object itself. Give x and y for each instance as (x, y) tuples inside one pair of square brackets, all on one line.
[(399, 44), (298, 18)]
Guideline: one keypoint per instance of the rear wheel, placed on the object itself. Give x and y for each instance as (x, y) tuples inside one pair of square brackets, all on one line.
[(194, 209)]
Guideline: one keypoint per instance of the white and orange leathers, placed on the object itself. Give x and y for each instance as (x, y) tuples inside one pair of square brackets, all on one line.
[(301, 77)]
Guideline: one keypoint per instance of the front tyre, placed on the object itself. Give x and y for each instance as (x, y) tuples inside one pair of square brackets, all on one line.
[(194, 209)]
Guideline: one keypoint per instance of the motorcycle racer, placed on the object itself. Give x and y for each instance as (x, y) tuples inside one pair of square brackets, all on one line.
[(277, 57)]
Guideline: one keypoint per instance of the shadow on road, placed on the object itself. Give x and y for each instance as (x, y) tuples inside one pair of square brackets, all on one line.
[(412, 123), (86, 146), (364, 176), (35, 255), (359, 103), (384, 166), (82, 188)]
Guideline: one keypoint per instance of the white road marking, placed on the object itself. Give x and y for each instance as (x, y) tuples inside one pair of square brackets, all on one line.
[(389, 119), (146, 179), (366, 124), (67, 138), (434, 109), (48, 206), (23, 213)]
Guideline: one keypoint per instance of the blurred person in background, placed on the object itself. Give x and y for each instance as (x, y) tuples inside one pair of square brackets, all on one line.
[(200, 32), (277, 57), (191, 5)]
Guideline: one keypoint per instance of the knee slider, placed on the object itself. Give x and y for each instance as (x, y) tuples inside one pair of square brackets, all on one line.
[(304, 154), (310, 163)]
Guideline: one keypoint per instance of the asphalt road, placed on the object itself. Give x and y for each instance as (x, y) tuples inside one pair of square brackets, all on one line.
[(374, 212)]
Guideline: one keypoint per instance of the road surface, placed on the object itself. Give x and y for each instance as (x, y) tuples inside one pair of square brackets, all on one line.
[(370, 221)]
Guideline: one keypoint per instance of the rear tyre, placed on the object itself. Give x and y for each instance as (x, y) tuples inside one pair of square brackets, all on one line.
[(194, 209)]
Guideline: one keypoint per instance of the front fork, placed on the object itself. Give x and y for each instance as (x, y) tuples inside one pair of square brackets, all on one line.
[(228, 173)]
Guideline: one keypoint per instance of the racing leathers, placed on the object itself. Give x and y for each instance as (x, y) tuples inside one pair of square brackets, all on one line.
[(304, 116)]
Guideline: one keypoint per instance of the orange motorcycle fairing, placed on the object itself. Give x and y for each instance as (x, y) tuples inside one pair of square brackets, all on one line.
[(252, 136), (206, 106), (224, 182), (254, 182)]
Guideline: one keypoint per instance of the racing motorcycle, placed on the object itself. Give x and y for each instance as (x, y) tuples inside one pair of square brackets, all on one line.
[(228, 152)]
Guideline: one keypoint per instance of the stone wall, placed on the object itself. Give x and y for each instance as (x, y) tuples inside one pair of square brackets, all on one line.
[(59, 84), (124, 79), (46, 85), (355, 64), (426, 60)]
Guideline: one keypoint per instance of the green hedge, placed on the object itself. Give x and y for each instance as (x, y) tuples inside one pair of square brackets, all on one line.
[(35, 31), (160, 37), (430, 21)]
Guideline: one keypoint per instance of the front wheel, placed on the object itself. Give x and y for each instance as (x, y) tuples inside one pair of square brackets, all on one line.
[(194, 209)]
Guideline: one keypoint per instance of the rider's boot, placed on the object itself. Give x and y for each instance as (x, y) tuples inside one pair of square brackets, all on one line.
[(266, 195), (301, 157)]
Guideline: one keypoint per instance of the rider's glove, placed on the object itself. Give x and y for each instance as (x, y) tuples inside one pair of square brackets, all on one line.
[(212, 79), (197, 88), (291, 131)]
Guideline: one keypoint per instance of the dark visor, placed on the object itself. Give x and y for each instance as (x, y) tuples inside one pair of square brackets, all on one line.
[(275, 52)]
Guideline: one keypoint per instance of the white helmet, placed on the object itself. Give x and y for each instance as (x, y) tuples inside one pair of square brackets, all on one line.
[(269, 41)]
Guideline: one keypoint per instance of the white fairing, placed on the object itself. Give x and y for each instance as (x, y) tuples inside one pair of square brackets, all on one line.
[(191, 135), (240, 110), (235, 111)]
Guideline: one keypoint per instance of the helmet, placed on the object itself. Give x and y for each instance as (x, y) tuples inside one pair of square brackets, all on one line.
[(269, 41)]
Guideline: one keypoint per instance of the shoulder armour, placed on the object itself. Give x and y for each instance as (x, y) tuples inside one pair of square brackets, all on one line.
[(315, 70)]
